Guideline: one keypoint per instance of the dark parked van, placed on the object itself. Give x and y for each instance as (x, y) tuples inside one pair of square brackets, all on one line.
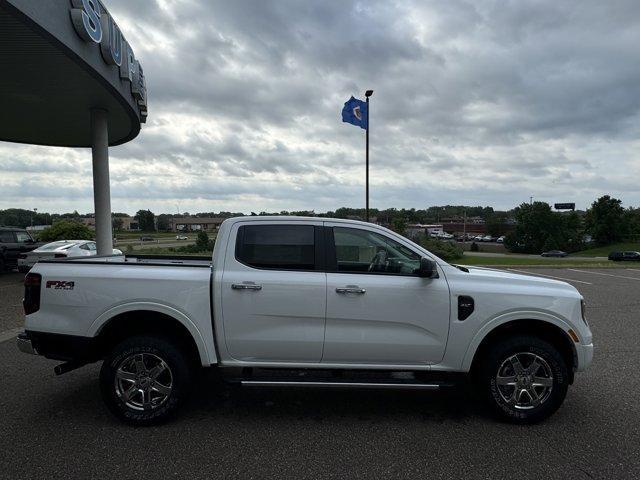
[(14, 241)]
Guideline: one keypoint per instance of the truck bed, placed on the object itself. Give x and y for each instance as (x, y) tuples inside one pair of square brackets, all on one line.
[(156, 260), (80, 295)]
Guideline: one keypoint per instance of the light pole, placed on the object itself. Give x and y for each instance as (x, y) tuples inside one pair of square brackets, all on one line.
[(464, 225), (367, 94)]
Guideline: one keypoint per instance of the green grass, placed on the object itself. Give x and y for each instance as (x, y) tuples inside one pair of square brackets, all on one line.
[(604, 251), (520, 261), (126, 235), (164, 251)]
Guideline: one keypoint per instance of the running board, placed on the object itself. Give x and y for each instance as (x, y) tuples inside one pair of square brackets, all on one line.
[(377, 385)]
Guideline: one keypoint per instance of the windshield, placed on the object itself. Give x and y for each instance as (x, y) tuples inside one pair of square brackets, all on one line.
[(54, 245)]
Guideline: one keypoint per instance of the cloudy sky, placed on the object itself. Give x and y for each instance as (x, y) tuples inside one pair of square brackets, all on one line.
[(475, 103)]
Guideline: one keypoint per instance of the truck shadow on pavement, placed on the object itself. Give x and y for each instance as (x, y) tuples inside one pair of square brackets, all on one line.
[(77, 396), (212, 397)]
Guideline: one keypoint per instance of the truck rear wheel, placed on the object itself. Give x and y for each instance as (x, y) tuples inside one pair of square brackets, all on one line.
[(524, 379), (145, 379)]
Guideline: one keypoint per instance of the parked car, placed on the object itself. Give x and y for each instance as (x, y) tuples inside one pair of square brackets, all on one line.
[(286, 299), (146, 238), (58, 249), (478, 238), (445, 236), (182, 237), (487, 238), (624, 256), (13, 242), (500, 239), (554, 253)]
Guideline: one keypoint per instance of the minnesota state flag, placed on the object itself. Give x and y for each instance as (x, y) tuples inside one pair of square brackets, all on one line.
[(355, 112)]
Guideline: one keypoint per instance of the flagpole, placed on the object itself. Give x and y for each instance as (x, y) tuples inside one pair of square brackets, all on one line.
[(367, 94)]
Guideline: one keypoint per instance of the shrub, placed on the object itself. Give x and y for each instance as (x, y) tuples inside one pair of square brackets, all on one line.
[(445, 250), (66, 230), (202, 240), (474, 247)]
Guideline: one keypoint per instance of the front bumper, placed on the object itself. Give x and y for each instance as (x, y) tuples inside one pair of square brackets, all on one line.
[(585, 356), (25, 345)]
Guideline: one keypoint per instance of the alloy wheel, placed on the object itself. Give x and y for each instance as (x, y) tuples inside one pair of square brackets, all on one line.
[(143, 381), (524, 380)]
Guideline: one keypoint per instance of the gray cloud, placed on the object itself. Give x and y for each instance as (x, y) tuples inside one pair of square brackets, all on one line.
[(475, 102)]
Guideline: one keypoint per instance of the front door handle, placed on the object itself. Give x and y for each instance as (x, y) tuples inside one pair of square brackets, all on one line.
[(246, 286), (351, 289)]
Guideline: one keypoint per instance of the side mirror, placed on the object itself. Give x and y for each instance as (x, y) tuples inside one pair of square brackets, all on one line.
[(428, 268)]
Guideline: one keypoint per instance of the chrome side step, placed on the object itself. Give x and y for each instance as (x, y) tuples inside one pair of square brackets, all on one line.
[(377, 385)]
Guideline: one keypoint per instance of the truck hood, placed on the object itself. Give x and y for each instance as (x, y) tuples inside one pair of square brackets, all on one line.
[(511, 278)]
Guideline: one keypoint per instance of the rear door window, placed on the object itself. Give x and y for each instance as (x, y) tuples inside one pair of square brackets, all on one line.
[(6, 237), (22, 237), (280, 247)]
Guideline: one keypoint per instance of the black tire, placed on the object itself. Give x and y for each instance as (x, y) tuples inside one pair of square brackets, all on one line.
[(149, 349), (497, 361)]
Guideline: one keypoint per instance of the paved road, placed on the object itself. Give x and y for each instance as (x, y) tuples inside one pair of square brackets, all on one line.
[(146, 245), (11, 290), (57, 427)]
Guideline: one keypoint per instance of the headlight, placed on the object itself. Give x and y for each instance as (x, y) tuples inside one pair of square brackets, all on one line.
[(583, 308)]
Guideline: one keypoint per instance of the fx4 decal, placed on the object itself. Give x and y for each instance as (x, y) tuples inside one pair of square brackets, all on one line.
[(60, 285)]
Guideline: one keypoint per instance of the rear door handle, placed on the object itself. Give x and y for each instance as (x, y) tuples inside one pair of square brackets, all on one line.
[(351, 289), (246, 286)]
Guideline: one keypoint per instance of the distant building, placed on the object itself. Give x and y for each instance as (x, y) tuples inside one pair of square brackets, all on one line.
[(416, 229), (88, 222), (128, 223), (195, 224), (461, 227), (37, 228)]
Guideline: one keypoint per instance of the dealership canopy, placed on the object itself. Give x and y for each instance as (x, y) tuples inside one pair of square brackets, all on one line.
[(70, 78)]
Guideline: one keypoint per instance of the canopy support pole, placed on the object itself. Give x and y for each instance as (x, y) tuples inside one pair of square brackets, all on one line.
[(101, 189)]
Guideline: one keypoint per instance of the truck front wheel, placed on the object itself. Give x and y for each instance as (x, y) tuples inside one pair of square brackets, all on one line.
[(524, 379), (145, 379)]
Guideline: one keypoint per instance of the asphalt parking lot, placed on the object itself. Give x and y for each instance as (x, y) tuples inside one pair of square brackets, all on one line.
[(57, 427)]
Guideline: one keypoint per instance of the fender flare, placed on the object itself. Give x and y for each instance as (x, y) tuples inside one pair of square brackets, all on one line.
[(99, 323), (504, 318)]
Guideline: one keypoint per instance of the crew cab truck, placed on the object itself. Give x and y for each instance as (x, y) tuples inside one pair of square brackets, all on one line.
[(307, 302)]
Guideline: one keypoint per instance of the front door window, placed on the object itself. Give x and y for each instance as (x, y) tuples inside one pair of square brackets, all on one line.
[(363, 251)]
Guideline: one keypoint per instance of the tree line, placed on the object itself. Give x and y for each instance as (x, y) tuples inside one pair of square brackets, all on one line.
[(537, 227)]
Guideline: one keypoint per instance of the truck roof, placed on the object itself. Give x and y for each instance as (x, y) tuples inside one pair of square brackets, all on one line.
[(9, 227), (291, 218)]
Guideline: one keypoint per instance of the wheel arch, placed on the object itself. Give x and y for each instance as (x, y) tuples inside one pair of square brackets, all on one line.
[(552, 330), (150, 318)]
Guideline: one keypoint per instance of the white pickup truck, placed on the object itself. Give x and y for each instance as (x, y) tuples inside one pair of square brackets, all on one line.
[(307, 302)]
